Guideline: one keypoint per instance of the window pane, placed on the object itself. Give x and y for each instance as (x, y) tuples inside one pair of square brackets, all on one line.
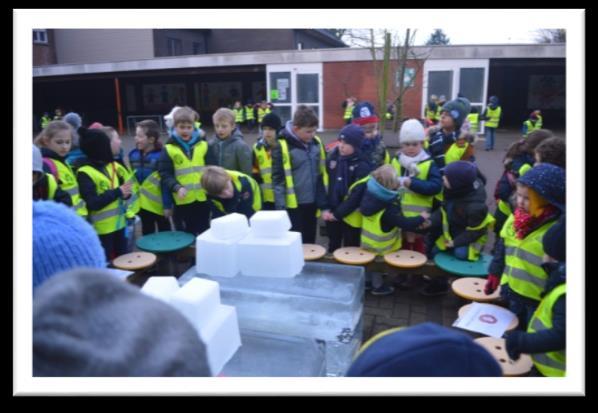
[(471, 83), (307, 88), (283, 112), (440, 83), (280, 87)]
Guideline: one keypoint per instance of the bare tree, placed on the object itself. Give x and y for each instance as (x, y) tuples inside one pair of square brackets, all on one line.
[(551, 36)]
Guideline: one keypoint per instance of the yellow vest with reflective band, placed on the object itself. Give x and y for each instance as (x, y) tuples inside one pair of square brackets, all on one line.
[(238, 115), (355, 218), (255, 189), (438, 112), (132, 204), (111, 218), (188, 172), (430, 114), (52, 186), (348, 112), (494, 116), (474, 118), (553, 363), (475, 248), (412, 203), (150, 194), (374, 239), (531, 127), (454, 153), (68, 183), (539, 122), (249, 113), (264, 161), (523, 260), (261, 113), (45, 121), (291, 198)]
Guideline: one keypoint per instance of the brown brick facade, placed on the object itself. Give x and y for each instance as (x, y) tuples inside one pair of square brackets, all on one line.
[(45, 54)]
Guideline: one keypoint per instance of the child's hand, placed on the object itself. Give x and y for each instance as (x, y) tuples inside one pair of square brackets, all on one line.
[(182, 192), (449, 243), (425, 215), (407, 182), (167, 213), (126, 189), (425, 225)]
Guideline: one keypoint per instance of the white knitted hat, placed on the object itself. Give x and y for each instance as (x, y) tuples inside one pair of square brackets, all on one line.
[(411, 131)]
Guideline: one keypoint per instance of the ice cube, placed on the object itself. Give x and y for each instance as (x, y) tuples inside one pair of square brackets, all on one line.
[(270, 224), (221, 337), (231, 226), (162, 288), (197, 300), (271, 257), (216, 257)]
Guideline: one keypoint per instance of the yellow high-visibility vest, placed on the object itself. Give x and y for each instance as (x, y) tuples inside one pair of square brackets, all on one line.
[(256, 205), (68, 183), (264, 161), (188, 172), (413, 204), (374, 239), (494, 117), (475, 248)]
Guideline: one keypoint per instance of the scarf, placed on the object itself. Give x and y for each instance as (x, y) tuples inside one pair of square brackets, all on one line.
[(380, 192), (187, 145), (525, 222), (409, 163)]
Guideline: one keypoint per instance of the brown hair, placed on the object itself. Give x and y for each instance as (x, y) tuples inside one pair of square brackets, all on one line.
[(50, 131), (553, 151), (305, 117), (224, 113), (150, 128), (534, 138), (214, 180), (184, 115), (386, 175)]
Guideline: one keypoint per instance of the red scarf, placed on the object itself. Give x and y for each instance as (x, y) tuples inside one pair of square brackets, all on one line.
[(525, 222)]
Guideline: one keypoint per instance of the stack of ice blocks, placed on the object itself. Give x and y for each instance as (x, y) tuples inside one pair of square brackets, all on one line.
[(323, 302), (199, 301)]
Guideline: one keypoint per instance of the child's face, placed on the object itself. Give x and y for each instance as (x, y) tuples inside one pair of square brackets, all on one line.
[(523, 197), (370, 130), (345, 149), (60, 142), (115, 143), (228, 192), (306, 134), (184, 130), (269, 135), (461, 142), (411, 148), (142, 141), (223, 128), (237, 105), (446, 122), (446, 182)]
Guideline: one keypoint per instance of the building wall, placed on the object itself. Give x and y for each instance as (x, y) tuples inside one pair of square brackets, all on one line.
[(344, 79), (309, 42), (45, 54), (187, 38), (102, 45), (245, 40)]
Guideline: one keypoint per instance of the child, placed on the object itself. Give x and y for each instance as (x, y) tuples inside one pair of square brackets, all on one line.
[(430, 110), (462, 149), (373, 146), (180, 167), (153, 199), (441, 139), (227, 148), (546, 335), (250, 115), (492, 116), (531, 124), (474, 121), (231, 191), (262, 111), (348, 105), (55, 143), (57, 114), (345, 165), (45, 120), (462, 222), (518, 253), (239, 113), (299, 173), (104, 191), (262, 158), (439, 104), (74, 119), (45, 186), (419, 177), (551, 150), (382, 219)]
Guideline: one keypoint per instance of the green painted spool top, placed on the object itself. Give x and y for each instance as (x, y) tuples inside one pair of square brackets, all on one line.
[(167, 241), (449, 263)]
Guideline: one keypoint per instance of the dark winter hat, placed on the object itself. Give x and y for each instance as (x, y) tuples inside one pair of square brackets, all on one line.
[(423, 350), (95, 144), (460, 174), (548, 181), (364, 113), (555, 240), (534, 115), (457, 109), (352, 135), (493, 100), (273, 121), (89, 323)]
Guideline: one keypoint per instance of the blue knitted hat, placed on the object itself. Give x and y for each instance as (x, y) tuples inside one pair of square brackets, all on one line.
[(62, 240), (548, 181), (424, 350), (352, 135)]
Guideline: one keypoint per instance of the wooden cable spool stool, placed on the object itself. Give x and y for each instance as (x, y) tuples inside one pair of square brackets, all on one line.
[(312, 252), (463, 310), (134, 261), (405, 259), (353, 256), (471, 288), (497, 347), (449, 263)]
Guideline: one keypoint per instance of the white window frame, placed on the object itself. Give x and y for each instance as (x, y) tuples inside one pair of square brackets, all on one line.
[(295, 69), (37, 33)]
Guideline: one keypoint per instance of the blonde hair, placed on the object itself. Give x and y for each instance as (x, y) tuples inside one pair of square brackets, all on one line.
[(184, 115), (50, 131), (214, 180), (386, 175), (224, 113)]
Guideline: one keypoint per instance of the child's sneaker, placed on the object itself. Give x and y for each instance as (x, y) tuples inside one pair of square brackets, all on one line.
[(383, 290)]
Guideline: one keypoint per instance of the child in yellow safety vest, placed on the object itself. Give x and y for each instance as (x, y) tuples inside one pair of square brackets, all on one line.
[(518, 255), (45, 186), (262, 158), (462, 222), (534, 122), (231, 191)]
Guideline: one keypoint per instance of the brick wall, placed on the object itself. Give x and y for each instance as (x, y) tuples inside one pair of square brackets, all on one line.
[(45, 54)]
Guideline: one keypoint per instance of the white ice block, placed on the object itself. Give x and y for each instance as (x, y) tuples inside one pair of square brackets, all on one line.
[(216, 257), (221, 337), (270, 224), (271, 257), (161, 288), (231, 226), (197, 300)]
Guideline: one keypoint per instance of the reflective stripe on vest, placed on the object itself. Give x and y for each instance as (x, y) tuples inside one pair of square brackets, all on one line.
[(150, 194), (249, 113), (355, 218), (52, 186), (264, 161), (374, 239), (553, 363), (348, 112), (132, 203), (474, 249), (530, 127), (523, 259), (493, 116), (111, 218), (188, 172), (68, 183), (438, 112), (238, 115), (504, 207), (455, 153), (413, 204)]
